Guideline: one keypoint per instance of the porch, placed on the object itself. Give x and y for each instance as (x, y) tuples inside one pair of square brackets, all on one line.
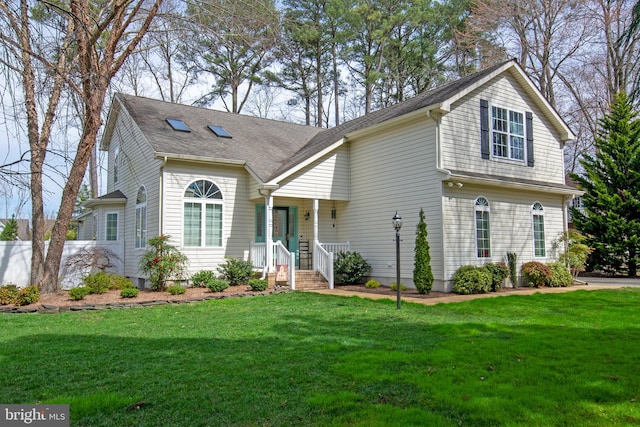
[(282, 265)]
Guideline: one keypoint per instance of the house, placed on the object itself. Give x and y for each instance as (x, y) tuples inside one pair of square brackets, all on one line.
[(483, 156)]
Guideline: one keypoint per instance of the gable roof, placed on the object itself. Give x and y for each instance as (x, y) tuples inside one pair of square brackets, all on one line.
[(439, 99), (260, 144), (272, 149)]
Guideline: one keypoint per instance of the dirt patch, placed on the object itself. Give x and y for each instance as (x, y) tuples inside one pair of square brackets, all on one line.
[(413, 293), (61, 301)]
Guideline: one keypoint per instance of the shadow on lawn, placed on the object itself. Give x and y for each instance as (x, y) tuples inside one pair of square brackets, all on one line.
[(311, 367)]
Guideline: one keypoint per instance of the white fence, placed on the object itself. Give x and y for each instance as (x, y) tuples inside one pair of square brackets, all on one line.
[(15, 261)]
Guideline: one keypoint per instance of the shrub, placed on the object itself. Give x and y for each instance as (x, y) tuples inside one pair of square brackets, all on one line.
[(372, 284), (129, 292), (350, 267), (470, 279), (97, 283), (163, 262), (176, 289), (577, 251), (535, 273), (78, 293), (560, 275), (217, 285), (236, 271), (200, 279), (403, 287), (258, 284), (28, 295), (120, 282), (499, 272), (512, 261), (8, 294), (422, 274)]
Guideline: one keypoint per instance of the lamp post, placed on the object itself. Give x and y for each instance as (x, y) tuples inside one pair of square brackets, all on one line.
[(397, 225)]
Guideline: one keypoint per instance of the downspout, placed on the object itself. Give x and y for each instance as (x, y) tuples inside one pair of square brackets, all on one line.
[(447, 172), (161, 198)]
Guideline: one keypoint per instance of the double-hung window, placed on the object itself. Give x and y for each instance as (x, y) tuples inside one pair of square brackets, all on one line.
[(507, 134), (111, 232), (202, 214)]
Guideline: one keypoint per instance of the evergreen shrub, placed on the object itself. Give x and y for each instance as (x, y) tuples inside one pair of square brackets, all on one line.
[(470, 279)]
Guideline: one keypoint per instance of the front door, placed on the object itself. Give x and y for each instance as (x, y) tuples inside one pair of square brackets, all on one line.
[(281, 225), (285, 226)]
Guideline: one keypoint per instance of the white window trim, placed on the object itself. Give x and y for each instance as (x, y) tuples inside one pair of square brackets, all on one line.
[(106, 225), (524, 136), (487, 209), (535, 213), (140, 206), (203, 202)]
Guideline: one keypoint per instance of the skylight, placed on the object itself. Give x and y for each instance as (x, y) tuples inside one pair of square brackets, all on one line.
[(220, 131), (178, 125)]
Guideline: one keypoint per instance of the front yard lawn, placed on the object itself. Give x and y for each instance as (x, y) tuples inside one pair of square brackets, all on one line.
[(308, 359)]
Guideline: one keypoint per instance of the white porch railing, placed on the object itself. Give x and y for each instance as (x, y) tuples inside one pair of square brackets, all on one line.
[(323, 262), (323, 255), (336, 247), (258, 254), (281, 256)]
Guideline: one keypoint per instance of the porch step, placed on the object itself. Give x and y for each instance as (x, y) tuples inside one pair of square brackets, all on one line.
[(308, 279), (305, 280)]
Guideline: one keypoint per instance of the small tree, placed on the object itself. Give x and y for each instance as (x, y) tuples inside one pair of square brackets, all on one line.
[(163, 262), (10, 230), (422, 274)]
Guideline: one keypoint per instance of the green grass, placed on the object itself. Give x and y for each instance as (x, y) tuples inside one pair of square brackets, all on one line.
[(307, 359)]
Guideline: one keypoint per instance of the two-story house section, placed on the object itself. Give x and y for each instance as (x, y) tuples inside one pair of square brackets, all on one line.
[(483, 156)]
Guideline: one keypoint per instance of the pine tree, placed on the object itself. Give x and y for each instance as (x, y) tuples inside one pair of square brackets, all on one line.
[(422, 274), (611, 181), (10, 230)]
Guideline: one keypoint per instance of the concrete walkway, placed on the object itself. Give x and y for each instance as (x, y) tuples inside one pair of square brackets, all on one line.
[(591, 286)]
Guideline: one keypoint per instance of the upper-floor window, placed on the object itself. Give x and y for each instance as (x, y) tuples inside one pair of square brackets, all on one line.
[(202, 214), (507, 134), (141, 218), (111, 232), (483, 235), (537, 212), (116, 164)]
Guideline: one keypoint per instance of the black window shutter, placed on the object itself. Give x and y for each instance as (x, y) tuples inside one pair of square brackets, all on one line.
[(529, 125), (484, 128)]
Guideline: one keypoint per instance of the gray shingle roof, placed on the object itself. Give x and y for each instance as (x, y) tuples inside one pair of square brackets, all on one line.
[(269, 147), (262, 143)]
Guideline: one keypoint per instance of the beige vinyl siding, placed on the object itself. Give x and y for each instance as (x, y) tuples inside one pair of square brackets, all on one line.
[(326, 178), (461, 135), (511, 225), (138, 166), (238, 213), (394, 170)]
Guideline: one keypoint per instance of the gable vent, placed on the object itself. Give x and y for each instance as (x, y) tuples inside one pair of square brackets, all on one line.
[(178, 125), (220, 131)]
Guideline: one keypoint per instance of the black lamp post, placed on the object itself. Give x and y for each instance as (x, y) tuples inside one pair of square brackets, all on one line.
[(397, 225)]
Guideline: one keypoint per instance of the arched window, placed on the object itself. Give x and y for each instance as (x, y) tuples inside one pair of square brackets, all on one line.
[(141, 218), (483, 239), (537, 212), (202, 214)]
